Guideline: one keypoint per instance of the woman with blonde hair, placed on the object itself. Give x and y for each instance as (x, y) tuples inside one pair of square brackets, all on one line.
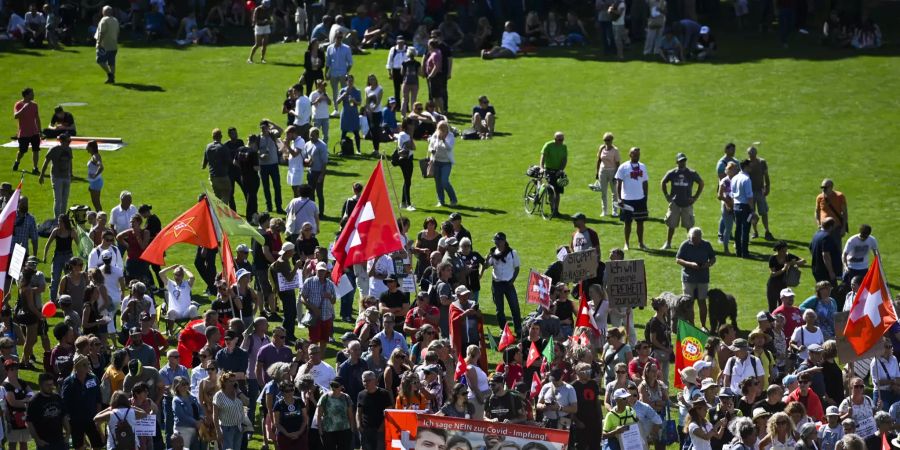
[(413, 395), (398, 364), (654, 393), (477, 380), (615, 351), (186, 410), (440, 149), (780, 434), (698, 427), (228, 411)]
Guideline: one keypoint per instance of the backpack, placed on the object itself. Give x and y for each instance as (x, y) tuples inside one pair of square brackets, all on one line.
[(469, 134), (124, 438), (346, 146)]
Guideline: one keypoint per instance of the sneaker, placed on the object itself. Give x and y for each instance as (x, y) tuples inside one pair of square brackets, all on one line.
[(262, 61), (769, 236), (35, 171), (439, 205), (625, 247), (410, 208), (755, 235), (603, 214), (666, 246), (615, 213), (249, 61)]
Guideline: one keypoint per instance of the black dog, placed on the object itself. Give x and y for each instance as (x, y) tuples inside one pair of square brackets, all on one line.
[(722, 306)]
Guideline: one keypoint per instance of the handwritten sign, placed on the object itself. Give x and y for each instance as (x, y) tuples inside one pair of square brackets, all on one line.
[(408, 284), (579, 266), (145, 426), (15, 263), (288, 285), (626, 283), (631, 438)]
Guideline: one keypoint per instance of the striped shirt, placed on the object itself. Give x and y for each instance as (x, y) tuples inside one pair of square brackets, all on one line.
[(313, 291), (231, 411)]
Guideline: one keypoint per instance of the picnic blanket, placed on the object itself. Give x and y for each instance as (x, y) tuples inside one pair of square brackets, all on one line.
[(78, 143)]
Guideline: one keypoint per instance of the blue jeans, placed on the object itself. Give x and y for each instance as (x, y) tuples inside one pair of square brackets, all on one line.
[(507, 289), (322, 125), (59, 261), (231, 438), (270, 172), (61, 187), (742, 229), (726, 223), (442, 181)]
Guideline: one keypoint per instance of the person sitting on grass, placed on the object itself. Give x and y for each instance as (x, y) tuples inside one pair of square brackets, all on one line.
[(483, 116), (706, 45), (509, 44), (425, 123), (670, 48), (61, 122)]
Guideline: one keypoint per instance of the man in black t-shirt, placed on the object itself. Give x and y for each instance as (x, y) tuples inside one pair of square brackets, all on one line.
[(262, 258), (681, 198), (370, 406), (234, 172), (46, 416), (502, 405), (393, 300)]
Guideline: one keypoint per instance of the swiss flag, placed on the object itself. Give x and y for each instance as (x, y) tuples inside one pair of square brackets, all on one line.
[(7, 225), (539, 289), (535, 385), (507, 338), (195, 227), (872, 312), (461, 369), (585, 317), (371, 229), (533, 355)]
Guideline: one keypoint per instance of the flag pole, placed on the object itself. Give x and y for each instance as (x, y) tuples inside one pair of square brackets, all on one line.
[(393, 188), (884, 280)]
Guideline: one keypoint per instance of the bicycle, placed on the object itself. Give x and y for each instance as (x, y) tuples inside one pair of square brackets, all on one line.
[(539, 193)]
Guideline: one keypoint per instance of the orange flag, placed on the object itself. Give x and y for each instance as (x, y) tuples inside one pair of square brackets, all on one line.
[(194, 227), (227, 261), (872, 313)]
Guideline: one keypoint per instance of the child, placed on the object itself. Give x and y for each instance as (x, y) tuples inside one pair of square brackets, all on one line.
[(71, 317), (831, 432)]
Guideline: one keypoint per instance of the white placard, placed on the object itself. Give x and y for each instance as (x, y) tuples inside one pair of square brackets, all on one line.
[(16, 261), (145, 427), (344, 286), (631, 438), (866, 427), (561, 254), (287, 285), (408, 284)]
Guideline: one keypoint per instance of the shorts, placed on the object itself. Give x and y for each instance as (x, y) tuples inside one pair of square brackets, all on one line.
[(437, 87), (762, 206), (25, 141), (96, 184), (82, 429), (321, 331), (262, 30), (553, 179), (638, 213), (107, 57), (683, 214), (690, 289), (21, 435)]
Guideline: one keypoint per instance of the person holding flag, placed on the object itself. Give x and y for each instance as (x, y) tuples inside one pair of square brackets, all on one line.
[(532, 344)]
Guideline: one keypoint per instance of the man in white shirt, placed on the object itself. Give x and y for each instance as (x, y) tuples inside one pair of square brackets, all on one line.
[(94, 258), (886, 375), (120, 216), (631, 184), (856, 253), (509, 44), (742, 365), (321, 372), (378, 269), (319, 100), (178, 293), (302, 112), (396, 57), (505, 262)]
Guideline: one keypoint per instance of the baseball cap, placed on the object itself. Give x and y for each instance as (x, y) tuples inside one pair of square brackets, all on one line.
[(832, 411), (106, 254), (146, 208), (787, 292), (134, 331), (348, 336), (65, 299), (708, 383), (704, 30), (286, 247), (579, 216), (455, 216), (322, 265), (621, 393), (702, 364), (815, 348), (680, 157), (462, 290), (764, 315), (243, 248), (241, 273), (501, 236), (451, 241)]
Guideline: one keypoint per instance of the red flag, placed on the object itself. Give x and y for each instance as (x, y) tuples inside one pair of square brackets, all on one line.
[(195, 227), (535, 385), (7, 225), (533, 355), (227, 261), (584, 340), (461, 369), (585, 317), (507, 338), (371, 229), (885, 445), (872, 312), (545, 366), (539, 289)]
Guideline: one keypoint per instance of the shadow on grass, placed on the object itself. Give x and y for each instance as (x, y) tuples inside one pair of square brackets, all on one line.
[(141, 87), (337, 173)]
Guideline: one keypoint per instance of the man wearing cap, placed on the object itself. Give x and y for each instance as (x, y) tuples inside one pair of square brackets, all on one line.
[(833, 204), (81, 399), (322, 373), (167, 374), (393, 299), (284, 278), (825, 250), (505, 263), (451, 256), (831, 431), (631, 186), (742, 365), (583, 238), (466, 321), (318, 295), (696, 256), (681, 198), (765, 324), (502, 405), (242, 259), (137, 349), (396, 58), (856, 253), (620, 418), (459, 231), (389, 338), (793, 318), (233, 358), (808, 397), (60, 175), (140, 373), (557, 400), (885, 374), (424, 313)]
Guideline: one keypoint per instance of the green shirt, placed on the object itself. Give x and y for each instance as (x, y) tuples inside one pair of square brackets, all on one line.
[(335, 412), (554, 155), (613, 420)]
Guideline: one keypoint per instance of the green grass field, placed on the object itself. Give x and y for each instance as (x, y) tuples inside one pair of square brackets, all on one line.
[(818, 113)]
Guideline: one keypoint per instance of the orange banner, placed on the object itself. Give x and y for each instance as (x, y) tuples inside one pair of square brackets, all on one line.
[(403, 430)]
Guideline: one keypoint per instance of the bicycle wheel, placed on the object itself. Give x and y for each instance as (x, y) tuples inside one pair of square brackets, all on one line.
[(546, 197), (531, 196)]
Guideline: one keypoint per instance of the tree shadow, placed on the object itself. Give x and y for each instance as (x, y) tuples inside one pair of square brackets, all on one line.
[(141, 87)]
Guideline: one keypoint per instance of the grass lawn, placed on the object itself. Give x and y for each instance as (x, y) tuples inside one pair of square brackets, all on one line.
[(818, 113)]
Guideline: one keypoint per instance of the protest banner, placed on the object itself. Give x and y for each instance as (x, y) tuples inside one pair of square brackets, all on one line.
[(145, 426), (626, 283), (579, 266), (475, 433)]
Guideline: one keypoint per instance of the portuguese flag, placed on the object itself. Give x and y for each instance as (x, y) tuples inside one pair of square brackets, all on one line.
[(688, 348)]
